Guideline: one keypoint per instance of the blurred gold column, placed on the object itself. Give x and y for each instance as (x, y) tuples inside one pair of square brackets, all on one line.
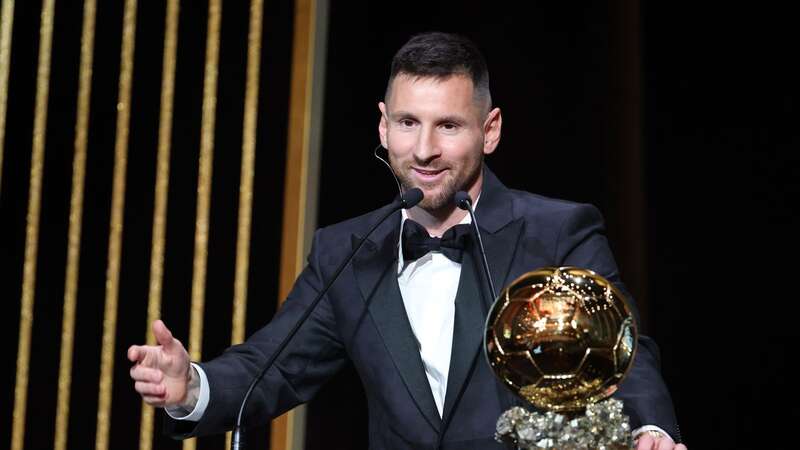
[(75, 221), (204, 187), (115, 231), (32, 225), (247, 167), (7, 24), (246, 176), (160, 203), (302, 173)]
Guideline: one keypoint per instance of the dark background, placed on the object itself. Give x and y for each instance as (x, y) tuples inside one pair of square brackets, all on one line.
[(707, 244), (719, 171)]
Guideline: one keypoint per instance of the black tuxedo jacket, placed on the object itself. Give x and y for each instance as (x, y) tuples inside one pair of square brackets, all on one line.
[(363, 319)]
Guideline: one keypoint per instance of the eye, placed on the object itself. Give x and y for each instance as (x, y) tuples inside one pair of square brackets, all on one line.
[(407, 123), (449, 126)]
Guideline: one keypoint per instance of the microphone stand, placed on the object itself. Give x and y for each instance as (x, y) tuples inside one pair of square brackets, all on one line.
[(408, 200), (464, 202)]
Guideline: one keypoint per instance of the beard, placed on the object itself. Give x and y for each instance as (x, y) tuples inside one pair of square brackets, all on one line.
[(439, 196)]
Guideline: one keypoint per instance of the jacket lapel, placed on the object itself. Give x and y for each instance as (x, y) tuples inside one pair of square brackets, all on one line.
[(375, 269), (500, 233), (500, 230), (467, 331), (500, 249)]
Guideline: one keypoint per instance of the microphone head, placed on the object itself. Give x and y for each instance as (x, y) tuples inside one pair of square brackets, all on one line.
[(462, 200), (411, 197)]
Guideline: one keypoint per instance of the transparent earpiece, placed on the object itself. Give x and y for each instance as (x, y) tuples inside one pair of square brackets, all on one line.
[(396, 180)]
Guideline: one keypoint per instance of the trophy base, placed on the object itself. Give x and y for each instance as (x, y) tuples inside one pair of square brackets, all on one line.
[(602, 426)]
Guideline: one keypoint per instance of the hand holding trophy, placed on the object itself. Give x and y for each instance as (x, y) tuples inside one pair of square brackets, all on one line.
[(562, 338)]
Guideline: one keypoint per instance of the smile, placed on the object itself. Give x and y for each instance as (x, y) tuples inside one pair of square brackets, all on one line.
[(428, 175)]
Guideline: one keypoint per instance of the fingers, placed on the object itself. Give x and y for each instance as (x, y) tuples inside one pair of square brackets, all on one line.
[(163, 335), (645, 442), (648, 442), (133, 353), (147, 382), (154, 401), (157, 400), (147, 374), (138, 353), (150, 389), (666, 443), (146, 355)]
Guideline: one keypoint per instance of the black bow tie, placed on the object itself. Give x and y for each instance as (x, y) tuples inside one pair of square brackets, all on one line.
[(417, 242)]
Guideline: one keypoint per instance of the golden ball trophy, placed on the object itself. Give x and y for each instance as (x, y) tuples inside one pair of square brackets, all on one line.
[(562, 338)]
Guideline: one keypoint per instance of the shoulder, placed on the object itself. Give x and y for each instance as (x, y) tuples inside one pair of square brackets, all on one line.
[(542, 216), (357, 226), (551, 212), (567, 233), (339, 238)]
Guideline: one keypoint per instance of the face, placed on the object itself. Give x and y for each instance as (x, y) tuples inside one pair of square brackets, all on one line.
[(436, 134)]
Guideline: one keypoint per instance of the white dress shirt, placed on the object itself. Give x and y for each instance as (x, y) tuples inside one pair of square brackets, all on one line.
[(429, 286)]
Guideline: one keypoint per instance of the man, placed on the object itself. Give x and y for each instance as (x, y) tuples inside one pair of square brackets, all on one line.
[(411, 321)]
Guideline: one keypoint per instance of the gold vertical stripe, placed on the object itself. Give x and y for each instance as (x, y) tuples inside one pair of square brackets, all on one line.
[(161, 190), (32, 225), (75, 216), (294, 214), (248, 162), (286, 428), (115, 231), (7, 22), (204, 186), (246, 177)]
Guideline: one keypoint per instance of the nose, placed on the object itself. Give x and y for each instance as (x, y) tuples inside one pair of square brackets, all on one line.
[(426, 148)]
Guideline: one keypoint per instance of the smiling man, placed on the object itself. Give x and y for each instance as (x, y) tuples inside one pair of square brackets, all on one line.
[(409, 311)]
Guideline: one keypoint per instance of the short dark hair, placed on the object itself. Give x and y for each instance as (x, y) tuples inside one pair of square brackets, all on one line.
[(442, 55)]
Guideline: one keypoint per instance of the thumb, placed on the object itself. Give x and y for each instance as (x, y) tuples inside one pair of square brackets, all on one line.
[(163, 335)]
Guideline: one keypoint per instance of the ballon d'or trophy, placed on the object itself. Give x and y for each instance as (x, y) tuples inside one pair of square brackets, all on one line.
[(562, 338)]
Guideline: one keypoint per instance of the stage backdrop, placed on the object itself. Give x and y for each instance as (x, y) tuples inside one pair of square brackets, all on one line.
[(170, 159)]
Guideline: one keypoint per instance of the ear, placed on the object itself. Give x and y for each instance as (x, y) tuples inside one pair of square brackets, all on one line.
[(491, 131), (383, 125)]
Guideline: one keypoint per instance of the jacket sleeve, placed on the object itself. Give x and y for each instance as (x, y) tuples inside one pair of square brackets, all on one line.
[(308, 361), (582, 243)]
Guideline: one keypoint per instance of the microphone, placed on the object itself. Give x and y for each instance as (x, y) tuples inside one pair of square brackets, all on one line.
[(409, 199), (464, 202)]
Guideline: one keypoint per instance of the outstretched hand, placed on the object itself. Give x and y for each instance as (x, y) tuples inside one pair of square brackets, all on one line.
[(161, 373)]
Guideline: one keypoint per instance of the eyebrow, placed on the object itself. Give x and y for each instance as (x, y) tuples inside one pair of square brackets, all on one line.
[(396, 115)]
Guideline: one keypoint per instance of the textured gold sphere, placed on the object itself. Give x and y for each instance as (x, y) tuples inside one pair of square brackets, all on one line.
[(561, 338)]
